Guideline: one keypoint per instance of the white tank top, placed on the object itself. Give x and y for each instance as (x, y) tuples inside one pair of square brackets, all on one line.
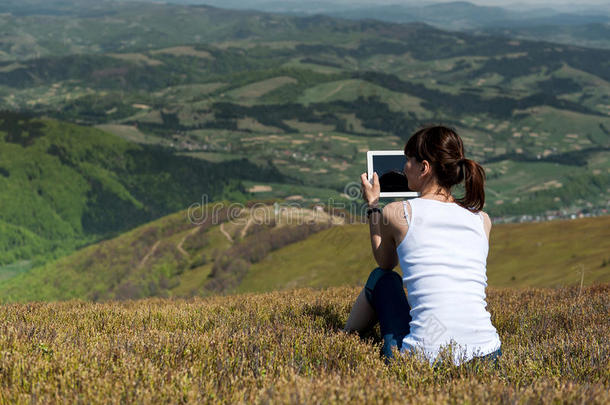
[(443, 259)]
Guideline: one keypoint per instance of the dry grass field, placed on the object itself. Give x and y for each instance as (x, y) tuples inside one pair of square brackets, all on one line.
[(287, 347)]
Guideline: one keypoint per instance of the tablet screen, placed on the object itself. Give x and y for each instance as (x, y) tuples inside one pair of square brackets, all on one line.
[(389, 168)]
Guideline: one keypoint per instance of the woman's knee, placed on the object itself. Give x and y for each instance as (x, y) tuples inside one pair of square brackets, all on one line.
[(371, 282), (376, 275)]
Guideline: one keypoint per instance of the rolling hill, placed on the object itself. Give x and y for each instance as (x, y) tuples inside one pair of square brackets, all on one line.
[(235, 248), (547, 254), (280, 105), (205, 251)]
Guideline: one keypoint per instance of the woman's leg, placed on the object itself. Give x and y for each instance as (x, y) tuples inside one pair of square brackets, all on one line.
[(393, 311), (362, 317), (383, 299)]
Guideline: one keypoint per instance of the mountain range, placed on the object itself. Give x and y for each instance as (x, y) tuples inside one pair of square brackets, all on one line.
[(114, 118)]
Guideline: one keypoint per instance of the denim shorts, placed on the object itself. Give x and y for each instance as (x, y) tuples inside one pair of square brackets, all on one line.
[(384, 291)]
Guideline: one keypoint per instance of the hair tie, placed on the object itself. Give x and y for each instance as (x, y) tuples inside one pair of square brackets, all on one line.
[(462, 161)]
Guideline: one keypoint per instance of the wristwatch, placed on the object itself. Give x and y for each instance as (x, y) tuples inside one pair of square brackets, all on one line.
[(371, 210)]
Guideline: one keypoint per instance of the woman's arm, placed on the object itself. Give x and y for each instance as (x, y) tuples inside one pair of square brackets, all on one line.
[(382, 240)]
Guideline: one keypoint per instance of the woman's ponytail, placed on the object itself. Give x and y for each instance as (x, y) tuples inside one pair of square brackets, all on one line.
[(443, 148), (474, 185)]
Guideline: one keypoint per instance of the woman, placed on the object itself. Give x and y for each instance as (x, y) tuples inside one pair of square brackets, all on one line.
[(441, 243)]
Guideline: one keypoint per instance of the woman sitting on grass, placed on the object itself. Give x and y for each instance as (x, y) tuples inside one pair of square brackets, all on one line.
[(441, 243)]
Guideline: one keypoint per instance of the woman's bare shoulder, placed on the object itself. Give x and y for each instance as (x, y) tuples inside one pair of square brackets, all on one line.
[(394, 211), (486, 223), (486, 217)]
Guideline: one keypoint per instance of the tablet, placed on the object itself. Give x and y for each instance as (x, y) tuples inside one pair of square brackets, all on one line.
[(389, 165)]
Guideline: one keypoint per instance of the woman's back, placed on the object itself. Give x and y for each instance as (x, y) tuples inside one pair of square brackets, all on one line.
[(443, 258)]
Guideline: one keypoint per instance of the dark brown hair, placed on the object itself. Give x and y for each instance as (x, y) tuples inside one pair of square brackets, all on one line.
[(443, 148)]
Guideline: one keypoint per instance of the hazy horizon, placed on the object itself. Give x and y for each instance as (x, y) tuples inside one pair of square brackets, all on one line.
[(513, 5)]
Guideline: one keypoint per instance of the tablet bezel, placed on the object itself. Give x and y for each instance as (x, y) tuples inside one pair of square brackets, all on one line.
[(369, 164)]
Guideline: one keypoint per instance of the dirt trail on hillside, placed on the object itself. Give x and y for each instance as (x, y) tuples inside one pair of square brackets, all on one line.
[(245, 229), (225, 233), (179, 245), (335, 91), (152, 250)]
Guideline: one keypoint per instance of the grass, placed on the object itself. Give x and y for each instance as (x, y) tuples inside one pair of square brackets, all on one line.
[(10, 270), (189, 93), (514, 182), (184, 51), (337, 256), (559, 123), (138, 58), (352, 89), (296, 63), (209, 156), (553, 253), (258, 89), (131, 134), (286, 347)]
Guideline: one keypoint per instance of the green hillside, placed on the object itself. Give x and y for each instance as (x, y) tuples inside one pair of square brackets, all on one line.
[(280, 105), (235, 248), (311, 94), (548, 254), (63, 186), (201, 252)]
